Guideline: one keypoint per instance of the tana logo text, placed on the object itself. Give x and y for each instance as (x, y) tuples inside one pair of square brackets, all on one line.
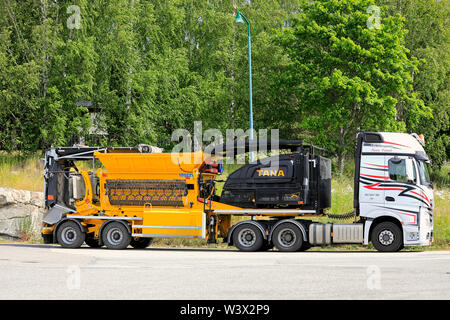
[(270, 173)]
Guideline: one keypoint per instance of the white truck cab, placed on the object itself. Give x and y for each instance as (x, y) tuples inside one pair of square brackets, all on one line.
[(393, 192)]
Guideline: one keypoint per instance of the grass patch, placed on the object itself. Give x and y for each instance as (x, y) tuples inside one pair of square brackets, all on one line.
[(19, 172), (26, 231), (441, 212), (189, 243), (27, 172), (441, 177)]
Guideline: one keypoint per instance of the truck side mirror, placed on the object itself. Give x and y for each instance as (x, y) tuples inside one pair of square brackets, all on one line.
[(396, 160)]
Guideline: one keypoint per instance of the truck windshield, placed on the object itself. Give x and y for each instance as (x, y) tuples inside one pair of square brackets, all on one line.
[(423, 171)]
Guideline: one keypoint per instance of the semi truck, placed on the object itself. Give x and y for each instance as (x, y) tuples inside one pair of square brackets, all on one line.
[(132, 195)]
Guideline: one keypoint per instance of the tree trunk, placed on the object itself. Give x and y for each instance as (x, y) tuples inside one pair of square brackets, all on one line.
[(130, 70), (340, 162), (44, 49), (340, 151)]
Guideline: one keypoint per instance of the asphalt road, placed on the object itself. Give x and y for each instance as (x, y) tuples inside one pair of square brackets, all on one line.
[(51, 272)]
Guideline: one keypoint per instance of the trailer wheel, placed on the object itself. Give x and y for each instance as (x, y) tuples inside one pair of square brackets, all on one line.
[(70, 235), (287, 237), (116, 236), (141, 243), (248, 237), (305, 246), (387, 237), (266, 246), (92, 242)]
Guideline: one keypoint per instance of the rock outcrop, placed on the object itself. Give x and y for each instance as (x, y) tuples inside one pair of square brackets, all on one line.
[(20, 213)]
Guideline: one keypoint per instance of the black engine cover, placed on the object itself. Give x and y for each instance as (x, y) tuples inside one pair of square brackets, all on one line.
[(288, 181)]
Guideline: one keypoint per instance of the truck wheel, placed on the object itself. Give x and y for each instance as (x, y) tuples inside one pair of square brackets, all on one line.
[(70, 235), (248, 237), (48, 238), (287, 237), (305, 246), (266, 246), (116, 236), (92, 242), (387, 237), (141, 243)]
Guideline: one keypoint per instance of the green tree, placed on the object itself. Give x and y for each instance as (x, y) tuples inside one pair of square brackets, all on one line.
[(37, 88), (346, 75), (143, 68), (428, 38)]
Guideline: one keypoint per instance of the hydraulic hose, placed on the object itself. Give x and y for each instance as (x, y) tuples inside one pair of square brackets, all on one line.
[(342, 216)]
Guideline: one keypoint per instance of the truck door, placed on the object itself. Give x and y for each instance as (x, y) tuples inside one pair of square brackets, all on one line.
[(401, 191), (373, 172)]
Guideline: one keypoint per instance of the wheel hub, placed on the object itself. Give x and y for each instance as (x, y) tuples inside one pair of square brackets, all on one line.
[(386, 237), (69, 235), (247, 237), (287, 237), (115, 236)]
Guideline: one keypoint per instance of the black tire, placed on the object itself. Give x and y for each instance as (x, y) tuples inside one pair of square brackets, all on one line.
[(305, 246), (266, 246), (48, 238), (70, 235), (247, 237), (387, 237), (141, 243), (287, 237), (116, 236), (92, 242)]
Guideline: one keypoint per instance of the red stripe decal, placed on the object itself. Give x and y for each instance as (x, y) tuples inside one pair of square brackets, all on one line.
[(422, 196), (412, 215), (376, 165), (372, 187), (379, 177), (396, 144)]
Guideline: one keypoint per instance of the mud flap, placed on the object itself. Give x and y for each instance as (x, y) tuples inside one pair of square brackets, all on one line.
[(55, 214)]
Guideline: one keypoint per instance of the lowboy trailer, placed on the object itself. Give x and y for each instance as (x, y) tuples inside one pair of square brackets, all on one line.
[(138, 195)]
